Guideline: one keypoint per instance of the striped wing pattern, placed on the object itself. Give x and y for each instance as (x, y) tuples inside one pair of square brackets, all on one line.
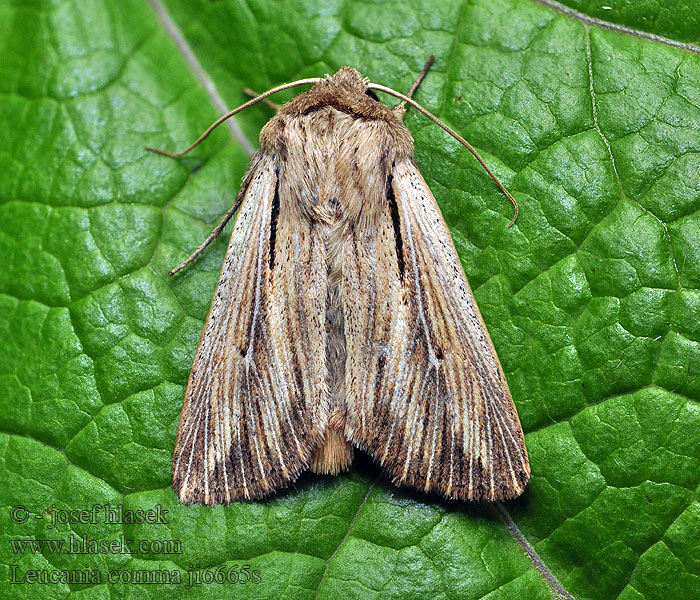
[(255, 406), (425, 391)]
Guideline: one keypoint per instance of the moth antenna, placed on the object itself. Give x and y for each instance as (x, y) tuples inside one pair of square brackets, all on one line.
[(273, 105), (220, 120), (408, 100)]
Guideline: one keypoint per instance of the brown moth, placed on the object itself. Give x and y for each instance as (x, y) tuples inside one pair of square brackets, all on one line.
[(343, 318)]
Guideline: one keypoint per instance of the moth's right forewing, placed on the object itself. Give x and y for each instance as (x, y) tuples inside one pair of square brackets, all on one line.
[(426, 394), (254, 408)]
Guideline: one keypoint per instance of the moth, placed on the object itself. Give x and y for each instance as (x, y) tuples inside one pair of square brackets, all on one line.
[(343, 319)]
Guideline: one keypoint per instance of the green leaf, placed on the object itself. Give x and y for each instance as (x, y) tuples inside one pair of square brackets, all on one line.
[(677, 20), (592, 298)]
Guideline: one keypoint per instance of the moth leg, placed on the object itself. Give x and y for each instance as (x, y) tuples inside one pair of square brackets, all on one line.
[(273, 105), (400, 109), (212, 236), (225, 219)]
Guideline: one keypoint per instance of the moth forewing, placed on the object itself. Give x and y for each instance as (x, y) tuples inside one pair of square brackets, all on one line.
[(249, 423), (343, 317)]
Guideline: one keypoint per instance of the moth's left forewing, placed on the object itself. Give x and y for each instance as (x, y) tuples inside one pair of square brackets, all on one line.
[(426, 393)]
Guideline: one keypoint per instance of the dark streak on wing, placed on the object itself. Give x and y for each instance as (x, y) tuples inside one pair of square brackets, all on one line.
[(273, 222), (396, 222)]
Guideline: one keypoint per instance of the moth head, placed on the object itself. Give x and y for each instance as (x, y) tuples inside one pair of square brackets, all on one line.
[(350, 78)]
